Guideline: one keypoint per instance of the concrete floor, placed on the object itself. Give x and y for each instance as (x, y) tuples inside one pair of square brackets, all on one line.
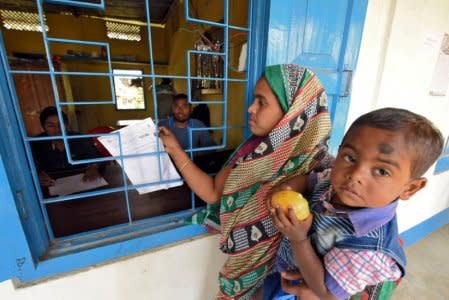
[(427, 274)]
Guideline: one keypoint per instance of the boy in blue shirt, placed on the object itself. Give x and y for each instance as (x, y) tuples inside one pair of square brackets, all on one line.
[(351, 240)]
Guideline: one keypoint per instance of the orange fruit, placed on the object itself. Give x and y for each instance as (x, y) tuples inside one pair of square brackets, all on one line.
[(284, 199)]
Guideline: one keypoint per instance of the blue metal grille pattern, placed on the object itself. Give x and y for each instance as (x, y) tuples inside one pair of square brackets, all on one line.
[(158, 223)]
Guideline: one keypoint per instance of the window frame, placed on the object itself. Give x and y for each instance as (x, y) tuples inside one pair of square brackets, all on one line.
[(24, 229)]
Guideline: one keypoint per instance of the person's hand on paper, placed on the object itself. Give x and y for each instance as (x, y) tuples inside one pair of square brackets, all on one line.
[(45, 180), (169, 140), (91, 173)]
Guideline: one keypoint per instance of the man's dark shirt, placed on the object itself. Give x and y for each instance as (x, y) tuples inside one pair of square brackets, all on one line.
[(50, 159)]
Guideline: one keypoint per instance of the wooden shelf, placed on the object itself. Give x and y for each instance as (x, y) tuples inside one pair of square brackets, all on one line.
[(18, 56), (115, 60)]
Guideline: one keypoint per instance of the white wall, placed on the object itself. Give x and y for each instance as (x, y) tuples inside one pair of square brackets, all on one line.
[(399, 50), (394, 69), (185, 271)]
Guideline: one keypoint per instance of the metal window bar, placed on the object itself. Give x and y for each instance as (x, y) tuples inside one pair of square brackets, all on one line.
[(22, 130), (78, 3), (60, 117), (112, 101), (165, 219)]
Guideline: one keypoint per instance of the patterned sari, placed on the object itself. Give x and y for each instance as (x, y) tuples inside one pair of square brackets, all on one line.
[(297, 145)]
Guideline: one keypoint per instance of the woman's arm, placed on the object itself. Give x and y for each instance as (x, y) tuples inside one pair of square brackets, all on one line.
[(206, 187), (300, 183)]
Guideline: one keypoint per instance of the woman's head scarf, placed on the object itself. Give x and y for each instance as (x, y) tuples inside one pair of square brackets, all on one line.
[(297, 145)]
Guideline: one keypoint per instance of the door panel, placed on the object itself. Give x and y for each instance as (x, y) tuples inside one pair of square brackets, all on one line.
[(325, 37), (313, 31), (34, 92)]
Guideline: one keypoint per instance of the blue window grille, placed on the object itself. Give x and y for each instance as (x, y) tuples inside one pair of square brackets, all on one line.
[(49, 251)]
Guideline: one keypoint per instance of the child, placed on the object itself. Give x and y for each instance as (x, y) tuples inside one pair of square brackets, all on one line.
[(353, 241)]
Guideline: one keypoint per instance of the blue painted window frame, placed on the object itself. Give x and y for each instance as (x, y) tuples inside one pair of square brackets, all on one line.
[(24, 226)]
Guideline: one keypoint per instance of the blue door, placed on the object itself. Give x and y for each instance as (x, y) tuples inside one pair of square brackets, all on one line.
[(324, 36)]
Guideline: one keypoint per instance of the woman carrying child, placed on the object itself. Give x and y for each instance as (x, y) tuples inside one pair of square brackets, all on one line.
[(290, 126)]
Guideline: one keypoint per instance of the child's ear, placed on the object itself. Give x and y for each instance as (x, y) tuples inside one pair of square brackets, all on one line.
[(412, 187)]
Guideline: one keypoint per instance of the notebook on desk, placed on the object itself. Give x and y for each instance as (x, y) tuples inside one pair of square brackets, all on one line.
[(74, 184)]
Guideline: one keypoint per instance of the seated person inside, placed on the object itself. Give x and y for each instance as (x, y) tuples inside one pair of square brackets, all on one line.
[(50, 156), (180, 122)]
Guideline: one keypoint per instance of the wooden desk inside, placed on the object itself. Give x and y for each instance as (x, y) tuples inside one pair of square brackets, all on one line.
[(75, 216)]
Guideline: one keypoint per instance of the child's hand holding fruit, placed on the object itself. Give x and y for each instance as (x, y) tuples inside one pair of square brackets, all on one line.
[(291, 215)]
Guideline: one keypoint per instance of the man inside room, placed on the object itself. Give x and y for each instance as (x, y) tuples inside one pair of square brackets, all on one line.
[(180, 121), (50, 156)]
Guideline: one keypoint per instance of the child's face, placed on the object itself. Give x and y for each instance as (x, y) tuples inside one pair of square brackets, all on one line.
[(373, 168), (265, 111)]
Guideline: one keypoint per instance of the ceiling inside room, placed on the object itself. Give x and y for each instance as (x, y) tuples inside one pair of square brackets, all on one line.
[(120, 9)]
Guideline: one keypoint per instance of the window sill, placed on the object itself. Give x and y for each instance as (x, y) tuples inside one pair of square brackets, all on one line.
[(75, 261)]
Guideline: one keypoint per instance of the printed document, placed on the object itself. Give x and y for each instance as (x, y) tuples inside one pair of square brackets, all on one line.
[(141, 138), (73, 184)]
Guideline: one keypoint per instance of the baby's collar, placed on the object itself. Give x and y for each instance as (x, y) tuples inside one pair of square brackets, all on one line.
[(365, 220)]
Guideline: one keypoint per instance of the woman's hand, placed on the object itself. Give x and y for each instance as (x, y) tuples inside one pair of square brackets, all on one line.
[(293, 283), (169, 140), (207, 188), (289, 225), (91, 173)]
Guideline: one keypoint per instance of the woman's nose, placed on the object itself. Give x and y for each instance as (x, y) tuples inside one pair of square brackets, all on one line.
[(251, 108)]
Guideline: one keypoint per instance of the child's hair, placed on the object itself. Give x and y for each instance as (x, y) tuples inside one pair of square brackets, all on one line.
[(421, 136)]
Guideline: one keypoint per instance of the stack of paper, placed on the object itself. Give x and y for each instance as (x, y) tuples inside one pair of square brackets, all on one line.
[(141, 138), (73, 184)]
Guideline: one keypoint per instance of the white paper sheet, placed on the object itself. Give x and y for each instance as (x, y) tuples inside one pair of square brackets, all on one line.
[(140, 138), (73, 184)]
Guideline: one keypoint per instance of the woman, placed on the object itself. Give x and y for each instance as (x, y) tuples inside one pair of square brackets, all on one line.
[(290, 126)]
